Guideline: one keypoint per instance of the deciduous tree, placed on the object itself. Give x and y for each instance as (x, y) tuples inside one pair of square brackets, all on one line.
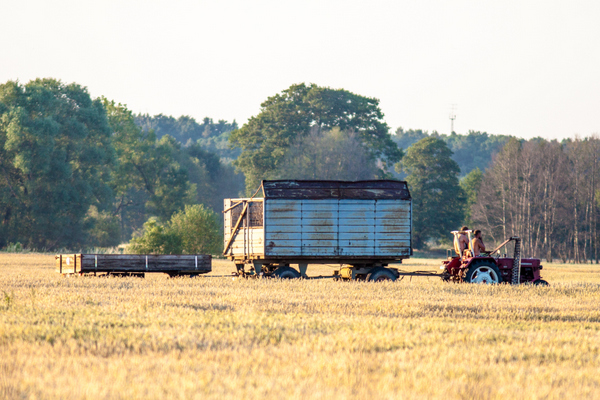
[(333, 155), (55, 162), (147, 178), (432, 177), (266, 137), (194, 230), (470, 185)]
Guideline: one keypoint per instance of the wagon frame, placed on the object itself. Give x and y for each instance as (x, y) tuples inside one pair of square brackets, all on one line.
[(364, 224)]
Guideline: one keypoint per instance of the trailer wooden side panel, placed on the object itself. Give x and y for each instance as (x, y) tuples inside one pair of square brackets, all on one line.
[(337, 227)]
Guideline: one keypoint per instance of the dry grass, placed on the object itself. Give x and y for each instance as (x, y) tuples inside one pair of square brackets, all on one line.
[(87, 337)]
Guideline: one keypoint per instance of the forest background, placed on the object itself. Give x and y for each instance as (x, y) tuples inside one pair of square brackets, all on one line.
[(78, 172)]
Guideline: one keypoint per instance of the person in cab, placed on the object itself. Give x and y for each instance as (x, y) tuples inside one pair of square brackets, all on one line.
[(461, 241), (477, 247)]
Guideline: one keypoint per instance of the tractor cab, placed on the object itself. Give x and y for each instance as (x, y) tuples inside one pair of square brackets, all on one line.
[(490, 267)]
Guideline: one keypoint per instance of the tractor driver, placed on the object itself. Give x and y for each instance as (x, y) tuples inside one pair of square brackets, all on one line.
[(477, 246), (461, 241)]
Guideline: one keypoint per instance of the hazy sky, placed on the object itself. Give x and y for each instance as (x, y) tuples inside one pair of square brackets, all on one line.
[(524, 68)]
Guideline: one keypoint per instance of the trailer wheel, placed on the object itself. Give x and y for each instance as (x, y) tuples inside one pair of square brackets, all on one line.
[(381, 274), (541, 282), (286, 273), (483, 272)]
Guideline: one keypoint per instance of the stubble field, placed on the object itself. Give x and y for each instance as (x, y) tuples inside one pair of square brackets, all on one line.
[(154, 338)]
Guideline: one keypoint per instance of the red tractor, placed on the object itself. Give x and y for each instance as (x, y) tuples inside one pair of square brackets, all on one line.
[(488, 268)]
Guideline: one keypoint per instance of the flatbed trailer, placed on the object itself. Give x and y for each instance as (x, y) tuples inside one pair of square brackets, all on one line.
[(134, 264)]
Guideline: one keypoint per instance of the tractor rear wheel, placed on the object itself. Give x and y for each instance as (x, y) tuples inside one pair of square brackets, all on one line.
[(381, 274), (483, 272), (286, 273)]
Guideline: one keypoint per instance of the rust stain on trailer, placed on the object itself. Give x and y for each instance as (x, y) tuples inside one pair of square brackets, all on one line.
[(383, 189)]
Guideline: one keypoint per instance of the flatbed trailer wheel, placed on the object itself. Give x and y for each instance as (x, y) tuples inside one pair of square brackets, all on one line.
[(483, 272), (126, 274), (286, 273), (381, 274)]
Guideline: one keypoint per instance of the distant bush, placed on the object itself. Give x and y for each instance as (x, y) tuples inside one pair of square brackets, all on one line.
[(156, 239), (14, 248), (199, 230), (194, 230)]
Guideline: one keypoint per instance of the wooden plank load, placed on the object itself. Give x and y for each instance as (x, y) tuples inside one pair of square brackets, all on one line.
[(133, 264)]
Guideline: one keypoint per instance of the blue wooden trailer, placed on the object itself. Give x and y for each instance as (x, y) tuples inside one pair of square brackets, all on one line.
[(362, 226)]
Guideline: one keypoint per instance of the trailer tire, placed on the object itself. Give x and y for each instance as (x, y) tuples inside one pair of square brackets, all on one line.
[(286, 273), (541, 282), (381, 274), (483, 272)]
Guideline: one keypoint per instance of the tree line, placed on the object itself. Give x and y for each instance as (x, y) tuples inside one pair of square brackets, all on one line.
[(473, 150), (77, 171), (546, 192), (211, 136)]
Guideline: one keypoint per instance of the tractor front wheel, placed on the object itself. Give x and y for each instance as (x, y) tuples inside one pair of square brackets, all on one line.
[(483, 272)]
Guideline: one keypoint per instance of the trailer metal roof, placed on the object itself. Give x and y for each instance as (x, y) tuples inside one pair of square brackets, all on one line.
[(367, 190)]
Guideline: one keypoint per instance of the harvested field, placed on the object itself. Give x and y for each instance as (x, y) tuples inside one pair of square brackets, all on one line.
[(154, 338)]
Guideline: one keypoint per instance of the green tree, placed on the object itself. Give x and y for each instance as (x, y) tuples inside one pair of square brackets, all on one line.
[(195, 230), (214, 179), (438, 199), (475, 149), (199, 229), (470, 185), (103, 229), (148, 178), (328, 155), (55, 161), (470, 151), (405, 139), (213, 136), (266, 137), (172, 189), (156, 239)]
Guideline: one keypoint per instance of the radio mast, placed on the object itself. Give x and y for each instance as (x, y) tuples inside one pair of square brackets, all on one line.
[(452, 117)]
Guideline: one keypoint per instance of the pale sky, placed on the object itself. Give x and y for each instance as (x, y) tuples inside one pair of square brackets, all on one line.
[(523, 68)]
